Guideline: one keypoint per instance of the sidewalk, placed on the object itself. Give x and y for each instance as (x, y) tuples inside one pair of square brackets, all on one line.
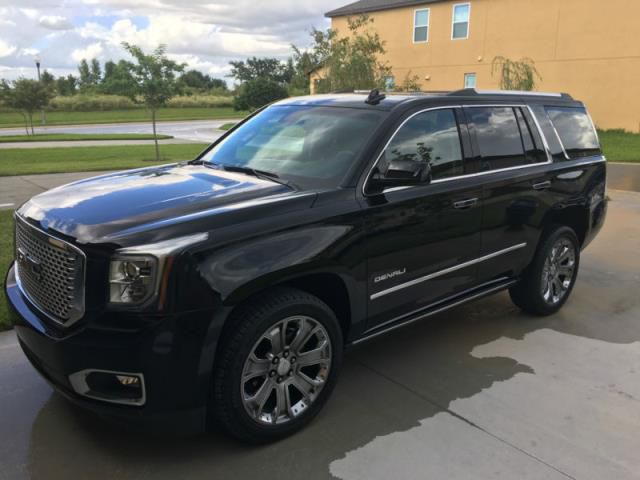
[(16, 190), (91, 143)]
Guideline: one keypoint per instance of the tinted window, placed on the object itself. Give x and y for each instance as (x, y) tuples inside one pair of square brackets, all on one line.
[(430, 137), (533, 148), (498, 137), (575, 130), (310, 146)]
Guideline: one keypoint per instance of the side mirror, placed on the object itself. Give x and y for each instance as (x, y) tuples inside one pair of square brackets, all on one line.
[(402, 173)]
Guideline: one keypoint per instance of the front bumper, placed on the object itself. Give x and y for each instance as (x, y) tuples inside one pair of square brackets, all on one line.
[(173, 353)]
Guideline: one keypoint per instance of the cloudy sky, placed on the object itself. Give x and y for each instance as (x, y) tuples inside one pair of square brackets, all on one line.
[(205, 34)]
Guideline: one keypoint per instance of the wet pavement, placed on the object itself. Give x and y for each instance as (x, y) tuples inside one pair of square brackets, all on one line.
[(481, 391)]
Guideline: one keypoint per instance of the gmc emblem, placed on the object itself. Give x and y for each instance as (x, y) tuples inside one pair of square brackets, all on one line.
[(30, 264)]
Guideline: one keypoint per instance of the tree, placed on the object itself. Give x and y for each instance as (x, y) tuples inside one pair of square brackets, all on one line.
[(257, 93), (255, 68), (196, 80), (118, 79), (96, 71), (516, 75), (303, 63), (154, 78), (27, 96), (218, 84), (411, 83), (85, 79), (47, 79), (351, 61), (66, 86)]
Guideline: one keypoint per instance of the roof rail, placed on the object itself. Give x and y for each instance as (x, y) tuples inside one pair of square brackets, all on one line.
[(471, 92)]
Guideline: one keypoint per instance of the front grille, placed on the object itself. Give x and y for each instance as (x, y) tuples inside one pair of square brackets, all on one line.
[(50, 273)]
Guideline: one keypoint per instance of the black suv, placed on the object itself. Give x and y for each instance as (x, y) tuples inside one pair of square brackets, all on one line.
[(223, 290)]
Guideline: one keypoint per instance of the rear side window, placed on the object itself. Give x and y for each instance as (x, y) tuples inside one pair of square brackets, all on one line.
[(575, 130), (498, 137), (431, 137)]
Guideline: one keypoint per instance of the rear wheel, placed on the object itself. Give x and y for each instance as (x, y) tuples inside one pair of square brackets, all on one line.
[(548, 281), (277, 367)]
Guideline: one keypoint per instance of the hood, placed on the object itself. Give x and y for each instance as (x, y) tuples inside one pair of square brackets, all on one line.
[(105, 208)]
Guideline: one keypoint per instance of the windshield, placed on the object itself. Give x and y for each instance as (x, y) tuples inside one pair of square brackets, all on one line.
[(306, 145)]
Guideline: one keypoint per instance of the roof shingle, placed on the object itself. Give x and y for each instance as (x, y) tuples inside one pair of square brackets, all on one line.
[(364, 6)]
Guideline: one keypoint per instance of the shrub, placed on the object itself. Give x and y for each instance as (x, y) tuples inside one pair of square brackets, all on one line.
[(205, 101), (257, 93), (90, 103)]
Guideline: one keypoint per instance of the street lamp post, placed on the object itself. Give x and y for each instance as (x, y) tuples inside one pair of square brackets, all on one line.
[(42, 114)]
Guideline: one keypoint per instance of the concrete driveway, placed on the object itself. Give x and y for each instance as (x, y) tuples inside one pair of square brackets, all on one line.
[(479, 392)]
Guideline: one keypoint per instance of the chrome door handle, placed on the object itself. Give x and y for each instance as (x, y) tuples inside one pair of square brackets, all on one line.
[(541, 185), (466, 203)]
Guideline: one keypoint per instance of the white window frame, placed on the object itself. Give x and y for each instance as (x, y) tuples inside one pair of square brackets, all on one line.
[(467, 75), (453, 20), (413, 32)]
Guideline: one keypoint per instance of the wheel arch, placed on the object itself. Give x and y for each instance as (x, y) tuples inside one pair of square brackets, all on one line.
[(333, 288), (575, 217)]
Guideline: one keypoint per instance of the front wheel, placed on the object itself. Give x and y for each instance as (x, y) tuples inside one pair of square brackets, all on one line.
[(548, 281), (277, 367)]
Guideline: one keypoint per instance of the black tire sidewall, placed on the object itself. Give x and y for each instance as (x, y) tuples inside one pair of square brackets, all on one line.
[(242, 425), (532, 282)]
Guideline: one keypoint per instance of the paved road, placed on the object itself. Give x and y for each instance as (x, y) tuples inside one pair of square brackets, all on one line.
[(100, 143), (192, 130), (15, 190), (480, 392)]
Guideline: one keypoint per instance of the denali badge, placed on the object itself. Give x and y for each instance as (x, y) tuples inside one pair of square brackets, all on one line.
[(390, 275)]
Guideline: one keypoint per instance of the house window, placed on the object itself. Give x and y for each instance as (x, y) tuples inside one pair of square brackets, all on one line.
[(389, 83), (421, 26), (460, 26), (469, 80)]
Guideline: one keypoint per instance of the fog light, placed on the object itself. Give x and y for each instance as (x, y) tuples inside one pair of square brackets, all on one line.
[(113, 387), (128, 380)]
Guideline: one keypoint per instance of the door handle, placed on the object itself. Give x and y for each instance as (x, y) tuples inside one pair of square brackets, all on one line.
[(541, 185), (464, 204)]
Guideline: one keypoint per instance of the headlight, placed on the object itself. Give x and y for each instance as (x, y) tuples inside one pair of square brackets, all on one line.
[(132, 279), (135, 272)]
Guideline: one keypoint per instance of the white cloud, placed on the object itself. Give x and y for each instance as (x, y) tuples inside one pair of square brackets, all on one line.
[(6, 49), (91, 51), (205, 34), (55, 22)]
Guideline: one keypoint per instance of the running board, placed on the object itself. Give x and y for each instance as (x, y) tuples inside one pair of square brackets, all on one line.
[(438, 307)]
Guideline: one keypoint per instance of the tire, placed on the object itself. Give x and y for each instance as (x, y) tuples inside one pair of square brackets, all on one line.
[(261, 391), (537, 293)]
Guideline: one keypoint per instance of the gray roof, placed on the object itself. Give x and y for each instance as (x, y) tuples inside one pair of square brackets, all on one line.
[(363, 6)]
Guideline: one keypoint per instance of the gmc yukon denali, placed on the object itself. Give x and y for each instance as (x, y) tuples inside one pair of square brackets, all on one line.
[(223, 291)]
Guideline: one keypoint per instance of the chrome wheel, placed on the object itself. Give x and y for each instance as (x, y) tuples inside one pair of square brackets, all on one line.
[(558, 271), (286, 370)]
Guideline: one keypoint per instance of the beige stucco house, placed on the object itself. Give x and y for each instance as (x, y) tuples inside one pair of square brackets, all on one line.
[(588, 48)]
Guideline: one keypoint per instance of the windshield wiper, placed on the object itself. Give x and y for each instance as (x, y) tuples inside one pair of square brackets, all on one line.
[(274, 177)]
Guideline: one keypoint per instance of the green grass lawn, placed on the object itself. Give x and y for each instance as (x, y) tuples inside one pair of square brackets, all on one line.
[(227, 126), (620, 146), (17, 161), (14, 119), (6, 256), (71, 137)]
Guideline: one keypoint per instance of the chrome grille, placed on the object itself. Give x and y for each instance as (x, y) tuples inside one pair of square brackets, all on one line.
[(50, 273)]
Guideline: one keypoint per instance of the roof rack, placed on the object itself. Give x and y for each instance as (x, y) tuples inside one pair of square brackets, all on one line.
[(471, 92)]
